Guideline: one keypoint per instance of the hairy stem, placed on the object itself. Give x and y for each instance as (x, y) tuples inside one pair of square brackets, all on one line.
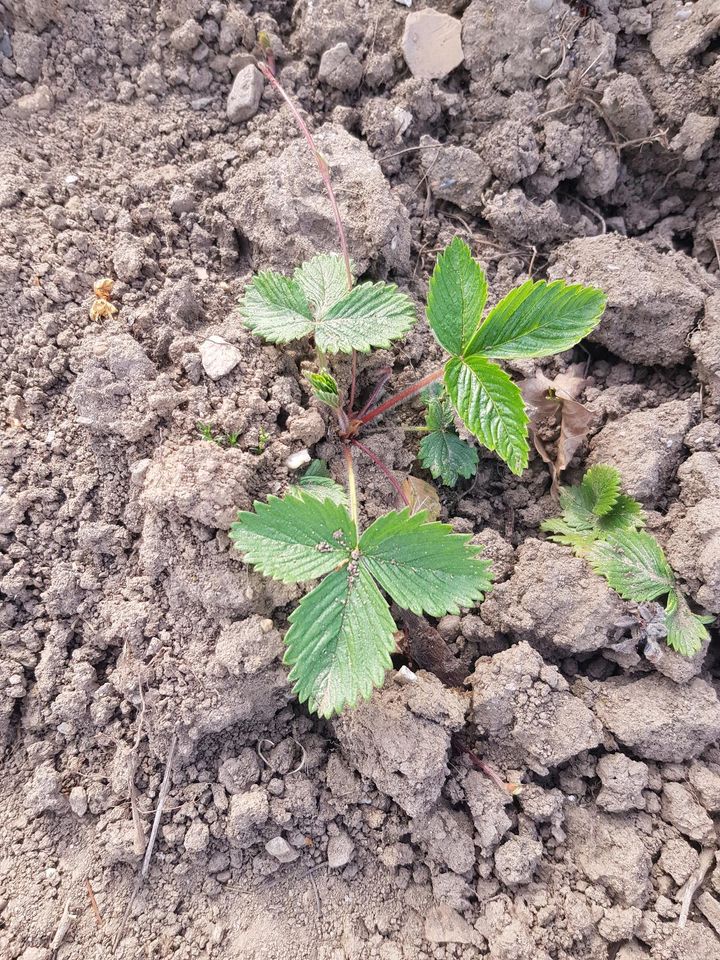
[(405, 394), (352, 486), (319, 160), (383, 468)]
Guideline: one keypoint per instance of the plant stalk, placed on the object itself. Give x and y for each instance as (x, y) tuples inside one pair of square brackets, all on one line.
[(352, 486), (383, 468), (405, 394)]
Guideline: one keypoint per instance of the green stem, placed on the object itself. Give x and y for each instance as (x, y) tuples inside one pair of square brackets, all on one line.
[(352, 486)]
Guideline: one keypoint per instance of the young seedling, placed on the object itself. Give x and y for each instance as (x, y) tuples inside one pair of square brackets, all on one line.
[(604, 526), (446, 455)]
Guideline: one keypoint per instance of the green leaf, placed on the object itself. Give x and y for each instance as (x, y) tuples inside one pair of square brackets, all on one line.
[(323, 279), (447, 456), (456, 297), (686, 632), (603, 484), (424, 566), (339, 641), (370, 315), (317, 482), (276, 309), (491, 407), (634, 565), (325, 388), (295, 539), (538, 319)]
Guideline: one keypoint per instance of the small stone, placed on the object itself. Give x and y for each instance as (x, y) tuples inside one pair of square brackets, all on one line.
[(298, 459), (197, 837), (28, 53), (340, 850), (516, 860), (339, 68), (40, 101), (455, 173), (245, 94), (281, 850), (431, 44), (128, 257), (248, 813), (445, 925), (710, 909), (218, 356), (78, 801), (150, 79), (187, 37), (681, 809), (623, 783), (695, 135)]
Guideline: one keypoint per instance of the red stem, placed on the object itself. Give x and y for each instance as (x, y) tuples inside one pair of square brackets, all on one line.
[(403, 395), (381, 466), (353, 382), (319, 160), (377, 390)]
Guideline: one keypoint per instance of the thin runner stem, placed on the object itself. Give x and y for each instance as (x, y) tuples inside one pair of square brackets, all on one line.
[(405, 394), (319, 160), (385, 470)]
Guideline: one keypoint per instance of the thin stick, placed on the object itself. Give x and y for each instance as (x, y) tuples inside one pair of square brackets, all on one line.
[(707, 858), (403, 395), (381, 466), (93, 903), (137, 821), (162, 797), (352, 486), (321, 165)]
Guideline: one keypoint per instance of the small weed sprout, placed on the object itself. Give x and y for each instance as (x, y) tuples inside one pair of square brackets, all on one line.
[(604, 526)]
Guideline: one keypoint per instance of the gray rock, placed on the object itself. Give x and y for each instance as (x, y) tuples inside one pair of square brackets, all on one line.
[(218, 356), (245, 93), (151, 80), (325, 23), (516, 860), (197, 837), (576, 615), (487, 803), (456, 174), (682, 811), (705, 781), (128, 258), (280, 206), (280, 849), (627, 108), (654, 299), (186, 37), (41, 100), (340, 68), (447, 836), (28, 53), (678, 859), (445, 925), (431, 44), (401, 739), (623, 781), (238, 774), (524, 704), (340, 851), (247, 815), (659, 434), (656, 718)]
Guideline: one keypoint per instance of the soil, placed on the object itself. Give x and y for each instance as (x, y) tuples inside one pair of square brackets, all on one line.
[(140, 659)]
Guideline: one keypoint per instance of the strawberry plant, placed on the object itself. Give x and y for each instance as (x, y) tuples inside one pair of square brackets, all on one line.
[(342, 633), (604, 526)]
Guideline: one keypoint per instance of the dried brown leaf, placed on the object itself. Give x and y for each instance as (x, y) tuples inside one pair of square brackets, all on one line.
[(557, 398), (422, 496)]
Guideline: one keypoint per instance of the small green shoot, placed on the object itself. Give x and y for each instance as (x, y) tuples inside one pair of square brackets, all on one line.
[(206, 432), (262, 441), (446, 455), (325, 388), (342, 634), (603, 525)]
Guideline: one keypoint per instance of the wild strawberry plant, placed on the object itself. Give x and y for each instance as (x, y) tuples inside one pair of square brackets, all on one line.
[(342, 633), (604, 526)]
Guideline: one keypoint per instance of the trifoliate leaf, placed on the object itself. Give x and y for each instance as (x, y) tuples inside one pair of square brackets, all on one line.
[(325, 388), (424, 566), (339, 641), (491, 407), (317, 482), (276, 309), (686, 632), (295, 539), (456, 297), (603, 485), (370, 315), (538, 319), (439, 415), (324, 281), (634, 565), (447, 456)]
